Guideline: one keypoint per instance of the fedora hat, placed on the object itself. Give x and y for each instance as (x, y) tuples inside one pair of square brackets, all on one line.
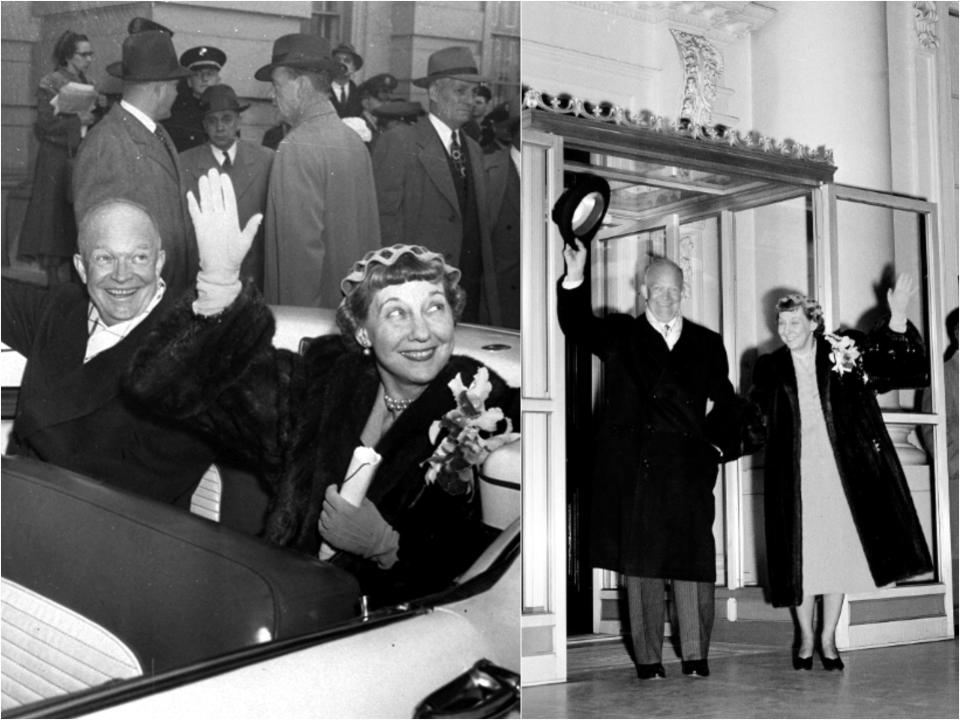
[(220, 97), (141, 24), (347, 48), (148, 56), (300, 51), (453, 62)]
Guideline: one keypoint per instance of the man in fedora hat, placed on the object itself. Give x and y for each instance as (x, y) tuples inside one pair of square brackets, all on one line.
[(343, 91), (319, 217), (185, 123), (128, 155), (431, 184), (247, 163)]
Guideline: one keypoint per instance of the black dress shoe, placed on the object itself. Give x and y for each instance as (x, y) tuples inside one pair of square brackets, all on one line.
[(802, 663), (652, 670), (695, 667), (831, 663)]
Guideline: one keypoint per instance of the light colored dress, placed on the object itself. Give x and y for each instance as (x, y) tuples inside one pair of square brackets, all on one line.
[(833, 558)]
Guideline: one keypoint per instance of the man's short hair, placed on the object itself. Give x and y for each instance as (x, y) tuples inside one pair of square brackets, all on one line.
[(84, 229), (319, 79)]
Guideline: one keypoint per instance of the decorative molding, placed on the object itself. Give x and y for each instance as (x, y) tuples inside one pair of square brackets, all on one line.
[(721, 21), (702, 68), (926, 16), (645, 120)]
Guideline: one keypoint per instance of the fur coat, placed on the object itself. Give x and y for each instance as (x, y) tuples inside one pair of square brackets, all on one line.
[(296, 419), (870, 471)]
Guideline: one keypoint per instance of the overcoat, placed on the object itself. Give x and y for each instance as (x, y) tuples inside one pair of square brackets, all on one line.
[(250, 174), (321, 211), (120, 158), (298, 419), (73, 414), (49, 227), (185, 124), (656, 447), (872, 477), (353, 107), (418, 201), (503, 184)]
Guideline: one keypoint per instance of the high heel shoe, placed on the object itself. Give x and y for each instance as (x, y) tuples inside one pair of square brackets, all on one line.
[(831, 663), (802, 663)]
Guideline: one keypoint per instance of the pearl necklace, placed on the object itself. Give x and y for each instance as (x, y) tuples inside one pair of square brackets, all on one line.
[(396, 406)]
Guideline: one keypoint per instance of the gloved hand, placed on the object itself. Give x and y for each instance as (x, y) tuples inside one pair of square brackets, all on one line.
[(221, 243), (358, 530), (898, 298)]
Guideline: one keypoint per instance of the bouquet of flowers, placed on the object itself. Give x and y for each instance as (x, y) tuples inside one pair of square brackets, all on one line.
[(471, 435), (844, 353)]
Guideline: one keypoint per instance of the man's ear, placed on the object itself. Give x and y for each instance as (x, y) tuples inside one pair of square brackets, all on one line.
[(81, 268), (644, 292), (161, 259)]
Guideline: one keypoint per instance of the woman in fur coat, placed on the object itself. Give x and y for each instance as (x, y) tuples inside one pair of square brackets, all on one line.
[(297, 419), (839, 516)]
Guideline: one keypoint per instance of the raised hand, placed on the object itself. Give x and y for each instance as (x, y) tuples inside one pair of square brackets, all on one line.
[(575, 260), (898, 298)]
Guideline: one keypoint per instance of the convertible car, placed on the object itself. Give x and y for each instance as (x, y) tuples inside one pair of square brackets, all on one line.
[(114, 604)]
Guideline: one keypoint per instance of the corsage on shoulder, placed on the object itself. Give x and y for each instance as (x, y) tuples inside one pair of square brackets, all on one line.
[(844, 353), (470, 435)]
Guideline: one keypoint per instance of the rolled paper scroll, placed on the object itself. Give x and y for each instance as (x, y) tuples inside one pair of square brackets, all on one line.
[(363, 466)]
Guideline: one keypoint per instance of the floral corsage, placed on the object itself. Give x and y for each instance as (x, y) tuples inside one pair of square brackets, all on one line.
[(844, 353), (471, 435)]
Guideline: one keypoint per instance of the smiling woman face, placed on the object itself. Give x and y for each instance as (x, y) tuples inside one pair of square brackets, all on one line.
[(410, 328)]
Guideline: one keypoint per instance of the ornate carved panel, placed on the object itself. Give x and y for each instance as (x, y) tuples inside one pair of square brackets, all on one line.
[(926, 16), (702, 68)]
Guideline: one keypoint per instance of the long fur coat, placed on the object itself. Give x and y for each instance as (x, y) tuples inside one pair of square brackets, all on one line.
[(870, 471), (296, 419)]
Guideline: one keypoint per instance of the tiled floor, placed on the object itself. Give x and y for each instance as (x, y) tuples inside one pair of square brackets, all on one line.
[(752, 678)]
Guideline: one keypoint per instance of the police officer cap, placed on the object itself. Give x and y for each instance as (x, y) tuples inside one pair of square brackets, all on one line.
[(378, 84), (203, 56)]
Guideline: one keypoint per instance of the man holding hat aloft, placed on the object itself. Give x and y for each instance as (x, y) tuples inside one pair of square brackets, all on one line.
[(247, 163), (185, 123), (320, 201), (343, 90), (431, 183), (128, 155)]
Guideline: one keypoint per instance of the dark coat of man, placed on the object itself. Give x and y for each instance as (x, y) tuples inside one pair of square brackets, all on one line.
[(185, 124), (870, 471), (250, 174), (73, 414), (656, 446), (419, 205), (321, 215), (302, 419), (120, 158), (352, 107), (503, 187)]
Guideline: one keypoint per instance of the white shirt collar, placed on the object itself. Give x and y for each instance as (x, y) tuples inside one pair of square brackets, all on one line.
[(675, 326), (443, 130), (139, 115), (218, 153), (102, 337)]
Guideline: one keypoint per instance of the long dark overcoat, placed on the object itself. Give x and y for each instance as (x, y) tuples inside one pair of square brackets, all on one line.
[(656, 464), (298, 418), (870, 471), (73, 414)]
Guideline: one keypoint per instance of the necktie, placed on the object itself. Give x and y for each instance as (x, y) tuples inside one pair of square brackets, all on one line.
[(166, 143), (456, 154), (226, 164)]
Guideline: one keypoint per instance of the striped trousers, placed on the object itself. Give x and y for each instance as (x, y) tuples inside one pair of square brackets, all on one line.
[(694, 610)]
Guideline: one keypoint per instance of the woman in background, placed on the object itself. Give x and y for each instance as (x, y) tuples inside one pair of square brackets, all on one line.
[(49, 233), (838, 512)]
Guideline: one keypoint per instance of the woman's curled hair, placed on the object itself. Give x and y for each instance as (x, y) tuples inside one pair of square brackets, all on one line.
[(810, 307)]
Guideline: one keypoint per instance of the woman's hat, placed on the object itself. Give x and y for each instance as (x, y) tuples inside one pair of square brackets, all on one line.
[(203, 56), (347, 49), (148, 56), (302, 52), (220, 97), (387, 256), (452, 62)]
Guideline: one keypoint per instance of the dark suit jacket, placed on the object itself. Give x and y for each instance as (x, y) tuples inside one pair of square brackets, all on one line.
[(503, 184), (652, 491), (250, 174), (120, 158), (352, 107), (72, 414), (418, 201)]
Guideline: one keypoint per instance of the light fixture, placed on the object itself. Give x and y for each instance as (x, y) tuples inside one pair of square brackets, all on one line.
[(580, 210)]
